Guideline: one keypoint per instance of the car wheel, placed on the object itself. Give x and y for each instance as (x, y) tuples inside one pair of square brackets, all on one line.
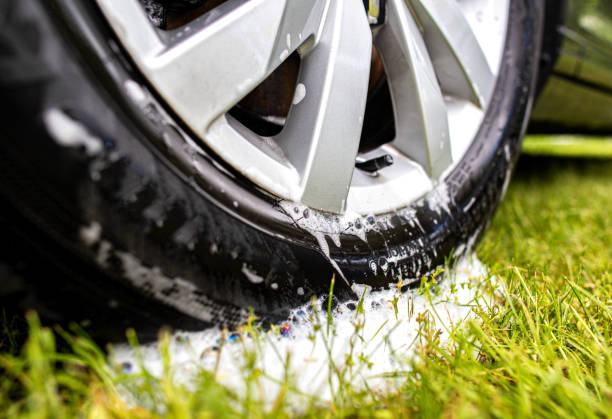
[(181, 162)]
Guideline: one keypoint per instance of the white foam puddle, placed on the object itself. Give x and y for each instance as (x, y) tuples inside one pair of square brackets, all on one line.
[(364, 348)]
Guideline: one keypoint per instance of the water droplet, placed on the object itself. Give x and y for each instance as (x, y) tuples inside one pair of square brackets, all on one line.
[(382, 262), (306, 213), (126, 367), (371, 219), (296, 209), (284, 55), (235, 203), (300, 291), (234, 337), (274, 286), (288, 40), (182, 338), (285, 329), (373, 266), (300, 93)]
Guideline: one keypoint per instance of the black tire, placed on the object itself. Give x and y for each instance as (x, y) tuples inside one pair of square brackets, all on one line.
[(83, 233)]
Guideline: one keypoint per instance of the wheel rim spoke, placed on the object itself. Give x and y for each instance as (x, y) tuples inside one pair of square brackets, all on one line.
[(460, 63), (202, 72), (420, 112), (321, 135)]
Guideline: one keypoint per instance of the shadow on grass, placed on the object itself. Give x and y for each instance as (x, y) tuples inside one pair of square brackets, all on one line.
[(548, 168)]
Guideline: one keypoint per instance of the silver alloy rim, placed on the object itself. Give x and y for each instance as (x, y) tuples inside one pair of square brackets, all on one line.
[(441, 59)]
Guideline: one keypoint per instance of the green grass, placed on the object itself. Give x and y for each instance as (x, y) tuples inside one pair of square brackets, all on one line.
[(546, 349), (542, 348)]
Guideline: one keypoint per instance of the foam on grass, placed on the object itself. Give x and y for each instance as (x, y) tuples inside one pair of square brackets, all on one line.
[(315, 352)]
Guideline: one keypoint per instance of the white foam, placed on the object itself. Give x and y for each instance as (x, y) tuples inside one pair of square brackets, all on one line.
[(251, 274), (90, 234), (386, 338), (70, 133), (439, 199)]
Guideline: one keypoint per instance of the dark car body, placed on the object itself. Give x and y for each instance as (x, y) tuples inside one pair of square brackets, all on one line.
[(578, 93)]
